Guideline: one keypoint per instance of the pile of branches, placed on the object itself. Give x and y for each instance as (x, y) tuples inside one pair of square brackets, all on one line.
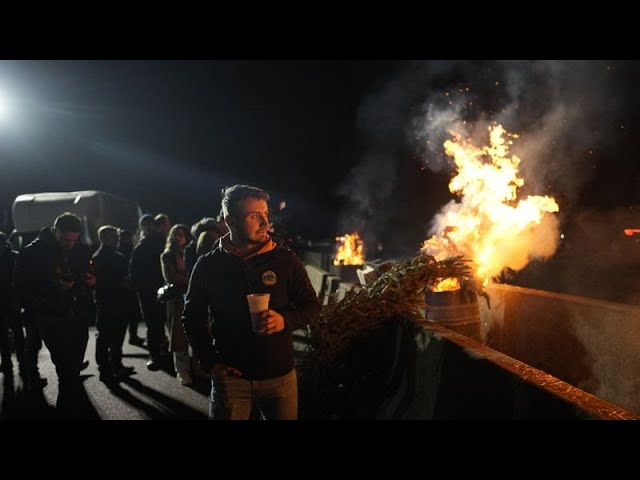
[(398, 293)]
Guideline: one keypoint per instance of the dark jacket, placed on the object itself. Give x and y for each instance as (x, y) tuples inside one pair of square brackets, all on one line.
[(220, 282), (111, 269), (190, 255), (145, 267), (7, 263), (39, 268)]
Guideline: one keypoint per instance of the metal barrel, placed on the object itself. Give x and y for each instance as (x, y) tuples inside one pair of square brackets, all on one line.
[(457, 310)]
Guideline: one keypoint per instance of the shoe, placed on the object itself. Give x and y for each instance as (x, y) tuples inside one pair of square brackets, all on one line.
[(108, 379), (136, 340), (123, 372), (153, 365), (37, 384), (84, 365)]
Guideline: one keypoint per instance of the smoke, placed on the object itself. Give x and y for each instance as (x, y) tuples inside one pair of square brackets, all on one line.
[(376, 189), (376, 175), (556, 107), (538, 241), (563, 111), (598, 260)]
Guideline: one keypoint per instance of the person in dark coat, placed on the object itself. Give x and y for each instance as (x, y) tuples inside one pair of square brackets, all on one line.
[(132, 306), (55, 278), (27, 298), (146, 272), (112, 285), (248, 367), (9, 311)]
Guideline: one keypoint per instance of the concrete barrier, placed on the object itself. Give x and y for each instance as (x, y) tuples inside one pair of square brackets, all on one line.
[(331, 285), (591, 344), (440, 374), (317, 277)]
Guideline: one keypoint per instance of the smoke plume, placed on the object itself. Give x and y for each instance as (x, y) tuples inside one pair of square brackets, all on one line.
[(563, 111)]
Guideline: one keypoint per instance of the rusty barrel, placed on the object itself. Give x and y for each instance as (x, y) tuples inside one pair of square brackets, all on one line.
[(457, 310)]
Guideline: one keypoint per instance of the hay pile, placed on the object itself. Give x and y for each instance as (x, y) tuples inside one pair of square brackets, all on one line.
[(398, 293)]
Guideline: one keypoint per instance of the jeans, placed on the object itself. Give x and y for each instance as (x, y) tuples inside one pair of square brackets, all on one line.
[(232, 398)]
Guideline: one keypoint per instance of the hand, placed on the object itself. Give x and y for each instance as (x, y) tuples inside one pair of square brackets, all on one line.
[(223, 369), (273, 321), (89, 279)]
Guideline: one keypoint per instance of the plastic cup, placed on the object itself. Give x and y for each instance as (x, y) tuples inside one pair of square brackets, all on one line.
[(258, 302)]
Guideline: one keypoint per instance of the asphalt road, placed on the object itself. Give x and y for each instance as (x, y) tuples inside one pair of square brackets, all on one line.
[(145, 395)]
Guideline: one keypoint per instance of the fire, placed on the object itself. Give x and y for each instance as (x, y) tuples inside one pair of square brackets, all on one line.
[(629, 232), (490, 225), (349, 250), (447, 285)]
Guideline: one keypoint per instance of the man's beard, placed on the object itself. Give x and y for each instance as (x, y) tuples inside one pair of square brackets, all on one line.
[(264, 237)]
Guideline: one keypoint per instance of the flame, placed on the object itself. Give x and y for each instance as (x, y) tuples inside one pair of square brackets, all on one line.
[(349, 250), (629, 232), (447, 285), (490, 225)]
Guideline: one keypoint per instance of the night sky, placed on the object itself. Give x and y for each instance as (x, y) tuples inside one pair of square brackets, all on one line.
[(171, 134), (347, 144)]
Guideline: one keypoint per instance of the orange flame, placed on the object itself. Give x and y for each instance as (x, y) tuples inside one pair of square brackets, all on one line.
[(629, 232), (490, 225), (349, 250), (447, 285)]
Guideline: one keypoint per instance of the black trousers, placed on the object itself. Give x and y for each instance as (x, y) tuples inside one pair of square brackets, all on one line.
[(10, 320), (155, 317), (132, 308), (112, 326), (65, 335)]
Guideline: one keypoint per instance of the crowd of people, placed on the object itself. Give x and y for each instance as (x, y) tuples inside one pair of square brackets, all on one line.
[(56, 286)]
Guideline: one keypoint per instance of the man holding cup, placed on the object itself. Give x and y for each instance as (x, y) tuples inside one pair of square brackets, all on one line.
[(257, 293)]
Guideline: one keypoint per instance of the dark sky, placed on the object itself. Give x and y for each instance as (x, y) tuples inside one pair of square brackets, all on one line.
[(171, 134), (343, 142)]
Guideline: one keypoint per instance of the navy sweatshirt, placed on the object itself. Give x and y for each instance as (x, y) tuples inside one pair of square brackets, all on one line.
[(220, 282)]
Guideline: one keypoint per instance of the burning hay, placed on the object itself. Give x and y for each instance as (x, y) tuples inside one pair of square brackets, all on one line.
[(398, 293)]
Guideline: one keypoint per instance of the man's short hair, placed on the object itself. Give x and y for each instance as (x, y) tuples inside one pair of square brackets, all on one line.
[(235, 195), (160, 219), (105, 231), (68, 222), (206, 223), (123, 233), (147, 217)]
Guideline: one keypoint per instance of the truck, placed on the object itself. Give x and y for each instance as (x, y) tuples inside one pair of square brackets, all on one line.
[(33, 211)]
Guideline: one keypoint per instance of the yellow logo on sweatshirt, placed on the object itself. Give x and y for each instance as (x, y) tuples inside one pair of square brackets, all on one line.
[(269, 278)]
